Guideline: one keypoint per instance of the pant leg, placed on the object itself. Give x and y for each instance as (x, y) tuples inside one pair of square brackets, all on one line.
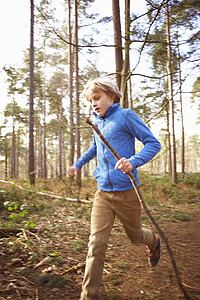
[(128, 210), (102, 219)]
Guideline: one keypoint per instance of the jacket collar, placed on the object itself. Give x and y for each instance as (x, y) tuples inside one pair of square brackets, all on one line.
[(110, 110)]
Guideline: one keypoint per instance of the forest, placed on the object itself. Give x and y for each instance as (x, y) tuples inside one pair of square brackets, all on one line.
[(150, 49), (44, 128)]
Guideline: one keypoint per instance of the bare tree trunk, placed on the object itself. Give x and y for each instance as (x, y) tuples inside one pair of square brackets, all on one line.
[(170, 87), (71, 138), (64, 157), (61, 141), (44, 118), (31, 101), (182, 122), (125, 70), (40, 164), (130, 95), (17, 166), (117, 41), (13, 161), (169, 141), (78, 143), (6, 158)]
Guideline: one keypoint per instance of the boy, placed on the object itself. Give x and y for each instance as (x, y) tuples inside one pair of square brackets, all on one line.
[(115, 194)]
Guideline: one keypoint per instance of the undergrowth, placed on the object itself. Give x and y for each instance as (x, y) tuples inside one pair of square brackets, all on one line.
[(24, 207), (62, 226)]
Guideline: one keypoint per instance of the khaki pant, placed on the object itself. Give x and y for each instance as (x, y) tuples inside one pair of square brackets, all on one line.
[(126, 206)]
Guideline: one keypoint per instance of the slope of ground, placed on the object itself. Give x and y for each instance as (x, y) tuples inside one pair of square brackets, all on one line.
[(47, 262)]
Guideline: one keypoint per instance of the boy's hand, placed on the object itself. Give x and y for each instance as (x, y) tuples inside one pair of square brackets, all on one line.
[(72, 170), (124, 164)]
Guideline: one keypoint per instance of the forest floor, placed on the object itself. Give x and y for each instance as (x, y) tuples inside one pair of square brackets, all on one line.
[(47, 261)]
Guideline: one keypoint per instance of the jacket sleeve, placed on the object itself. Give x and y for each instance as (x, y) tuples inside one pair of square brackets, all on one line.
[(87, 156), (138, 129)]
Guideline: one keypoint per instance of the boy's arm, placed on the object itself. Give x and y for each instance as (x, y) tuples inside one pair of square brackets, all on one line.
[(138, 129), (85, 158)]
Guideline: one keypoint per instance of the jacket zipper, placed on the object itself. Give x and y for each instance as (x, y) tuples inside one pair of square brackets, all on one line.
[(107, 161)]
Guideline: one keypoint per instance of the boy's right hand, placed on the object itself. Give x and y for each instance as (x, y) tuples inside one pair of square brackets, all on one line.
[(72, 170)]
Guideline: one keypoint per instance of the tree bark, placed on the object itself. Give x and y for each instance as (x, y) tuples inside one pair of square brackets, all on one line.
[(182, 122), (44, 118), (31, 101), (78, 144), (170, 87), (71, 69), (125, 70), (13, 160), (40, 156), (6, 157), (117, 41), (169, 141), (18, 142)]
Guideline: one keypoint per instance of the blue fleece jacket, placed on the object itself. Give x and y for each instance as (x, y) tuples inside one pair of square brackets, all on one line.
[(120, 127)]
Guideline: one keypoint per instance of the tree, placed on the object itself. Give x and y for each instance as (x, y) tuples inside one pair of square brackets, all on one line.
[(196, 93), (170, 87), (44, 115), (125, 70), (71, 70), (12, 109), (78, 142), (31, 101), (56, 95), (117, 41), (18, 115)]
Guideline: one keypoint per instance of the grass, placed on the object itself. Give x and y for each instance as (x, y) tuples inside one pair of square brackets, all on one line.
[(77, 245)]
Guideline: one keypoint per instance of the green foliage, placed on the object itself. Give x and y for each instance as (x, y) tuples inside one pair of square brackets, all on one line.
[(77, 245), (52, 280), (190, 179), (181, 216), (196, 90), (12, 201)]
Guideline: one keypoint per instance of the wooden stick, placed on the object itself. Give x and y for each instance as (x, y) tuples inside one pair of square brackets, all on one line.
[(141, 199)]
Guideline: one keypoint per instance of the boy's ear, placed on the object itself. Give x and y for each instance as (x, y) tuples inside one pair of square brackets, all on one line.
[(111, 97)]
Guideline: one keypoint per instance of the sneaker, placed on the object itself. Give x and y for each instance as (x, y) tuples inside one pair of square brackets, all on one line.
[(155, 254)]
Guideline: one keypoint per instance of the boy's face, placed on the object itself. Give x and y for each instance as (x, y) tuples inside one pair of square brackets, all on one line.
[(101, 102)]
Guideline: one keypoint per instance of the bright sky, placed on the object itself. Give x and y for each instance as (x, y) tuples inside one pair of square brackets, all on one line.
[(14, 35)]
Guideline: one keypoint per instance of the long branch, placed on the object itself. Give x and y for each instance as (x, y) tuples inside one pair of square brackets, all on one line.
[(141, 199)]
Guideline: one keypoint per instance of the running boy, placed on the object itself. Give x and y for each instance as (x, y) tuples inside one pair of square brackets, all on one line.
[(115, 194)]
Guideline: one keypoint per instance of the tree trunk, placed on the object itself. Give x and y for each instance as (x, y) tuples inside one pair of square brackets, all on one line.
[(71, 59), (130, 95), (18, 141), (13, 162), (44, 118), (125, 70), (78, 143), (61, 141), (170, 87), (31, 101), (40, 164), (169, 142), (117, 41), (182, 123), (6, 158)]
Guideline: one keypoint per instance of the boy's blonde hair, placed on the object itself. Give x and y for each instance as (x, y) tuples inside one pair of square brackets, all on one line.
[(103, 84)]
